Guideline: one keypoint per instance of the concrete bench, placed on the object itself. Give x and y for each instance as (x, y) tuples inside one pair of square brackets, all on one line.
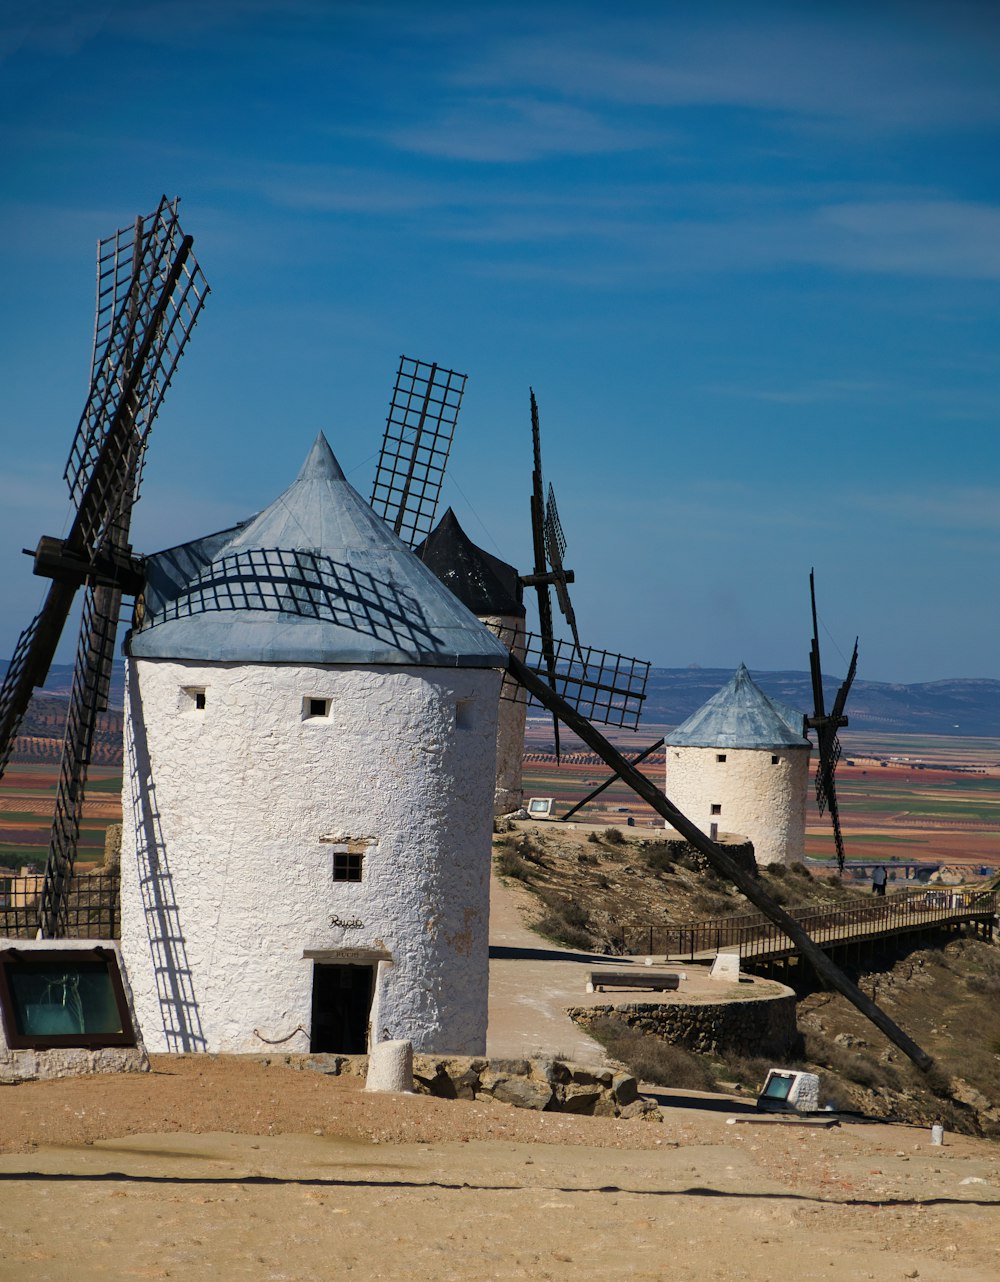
[(632, 977)]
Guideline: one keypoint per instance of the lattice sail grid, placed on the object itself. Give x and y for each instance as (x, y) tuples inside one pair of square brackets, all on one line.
[(150, 291), (418, 436), (601, 686)]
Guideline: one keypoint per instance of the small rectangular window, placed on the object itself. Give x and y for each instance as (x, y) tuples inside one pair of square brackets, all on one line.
[(775, 760), (463, 714), (313, 708), (347, 865), (193, 699), (716, 808), (720, 756)]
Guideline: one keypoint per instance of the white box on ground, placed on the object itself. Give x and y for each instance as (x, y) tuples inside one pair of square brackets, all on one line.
[(726, 967)]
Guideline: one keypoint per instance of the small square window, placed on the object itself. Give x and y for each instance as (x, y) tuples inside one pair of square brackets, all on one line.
[(347, 865), (193, 699), (720, 756), (313, 708), (716, 808), (775, 760)]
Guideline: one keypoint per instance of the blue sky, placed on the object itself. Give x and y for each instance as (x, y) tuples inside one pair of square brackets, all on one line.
[(748, 256)]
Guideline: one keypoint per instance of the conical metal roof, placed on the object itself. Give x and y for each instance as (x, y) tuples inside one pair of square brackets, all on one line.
[(741, 715), (316, 577), (483, 583)]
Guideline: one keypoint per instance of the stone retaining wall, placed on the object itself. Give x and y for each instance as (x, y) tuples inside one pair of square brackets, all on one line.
[(545, 1085), (764, 1027)]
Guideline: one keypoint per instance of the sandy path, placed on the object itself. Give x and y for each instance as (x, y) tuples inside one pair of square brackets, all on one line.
[(531, 984)]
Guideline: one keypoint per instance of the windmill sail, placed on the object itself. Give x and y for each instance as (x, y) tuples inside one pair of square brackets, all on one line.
[(600, 685), (826, 727), (419, 431), (150, 292)]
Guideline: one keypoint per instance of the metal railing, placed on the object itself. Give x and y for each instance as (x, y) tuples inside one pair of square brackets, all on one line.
[(92, 907), (753, 934)]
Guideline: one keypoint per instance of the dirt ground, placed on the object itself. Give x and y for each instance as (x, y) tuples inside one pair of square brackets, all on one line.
[(229, 1168)]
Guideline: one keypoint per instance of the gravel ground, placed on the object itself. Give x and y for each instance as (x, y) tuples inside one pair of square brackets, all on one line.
[(216, 1166)]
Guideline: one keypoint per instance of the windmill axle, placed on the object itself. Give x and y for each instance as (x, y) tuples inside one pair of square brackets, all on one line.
[(533, 580), (54, 560)]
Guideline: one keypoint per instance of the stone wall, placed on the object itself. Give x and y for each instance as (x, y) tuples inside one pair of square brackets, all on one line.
[(763, 1027), (544, 1085)]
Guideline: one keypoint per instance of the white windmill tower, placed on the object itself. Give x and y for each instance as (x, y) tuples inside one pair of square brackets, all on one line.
[(311, 729), (740, 765)]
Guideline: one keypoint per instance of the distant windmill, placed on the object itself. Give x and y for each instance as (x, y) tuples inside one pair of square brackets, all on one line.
[(826, 726), (150, 291)]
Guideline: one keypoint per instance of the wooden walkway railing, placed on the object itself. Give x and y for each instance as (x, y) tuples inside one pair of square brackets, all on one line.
[(753, 936)]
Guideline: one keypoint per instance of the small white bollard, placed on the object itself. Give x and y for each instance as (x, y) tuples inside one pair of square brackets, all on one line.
[(390, 1067), (937, 1133)]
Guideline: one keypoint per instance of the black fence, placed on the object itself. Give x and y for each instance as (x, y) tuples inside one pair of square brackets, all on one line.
[(754, 935), (92, 907)]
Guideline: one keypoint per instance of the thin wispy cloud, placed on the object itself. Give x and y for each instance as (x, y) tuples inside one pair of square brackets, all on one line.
[(970, 509), (785, 61), (506, 130)]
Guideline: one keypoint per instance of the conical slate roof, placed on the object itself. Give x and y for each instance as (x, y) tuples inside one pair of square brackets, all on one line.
[(741, 715), (483, 583), (316, 577)]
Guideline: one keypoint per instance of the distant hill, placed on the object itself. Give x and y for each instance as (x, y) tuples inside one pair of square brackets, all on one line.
[(957, 707)]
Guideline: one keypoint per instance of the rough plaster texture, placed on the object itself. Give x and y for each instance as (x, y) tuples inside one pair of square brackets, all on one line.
[(18, 1065), (510, 723), (764, 802), (226, 883)]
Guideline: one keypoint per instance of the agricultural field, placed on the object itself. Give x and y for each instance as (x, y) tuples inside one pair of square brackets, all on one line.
[(902, 797), (27, 796)]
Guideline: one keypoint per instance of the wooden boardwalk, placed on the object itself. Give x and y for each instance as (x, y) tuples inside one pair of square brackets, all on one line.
[(756, 939)]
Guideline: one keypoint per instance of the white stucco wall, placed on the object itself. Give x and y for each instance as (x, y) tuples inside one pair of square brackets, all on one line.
[(761, 800), (226, 884), (509, 793)]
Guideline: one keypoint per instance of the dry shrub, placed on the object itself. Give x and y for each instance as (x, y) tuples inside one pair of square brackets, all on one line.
[(659, 857), (510, 864), (651, 1059), (565, 922), (854, 1066), (613, 837)]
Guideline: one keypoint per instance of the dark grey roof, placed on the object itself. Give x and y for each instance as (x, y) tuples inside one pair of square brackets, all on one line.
[(316, 577), (482, 582), (741, 715)]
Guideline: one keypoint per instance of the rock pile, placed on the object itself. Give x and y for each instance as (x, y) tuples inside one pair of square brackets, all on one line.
[(545, 1085)]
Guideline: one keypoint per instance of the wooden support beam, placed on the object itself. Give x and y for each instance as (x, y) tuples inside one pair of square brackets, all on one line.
[(828, 971)]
